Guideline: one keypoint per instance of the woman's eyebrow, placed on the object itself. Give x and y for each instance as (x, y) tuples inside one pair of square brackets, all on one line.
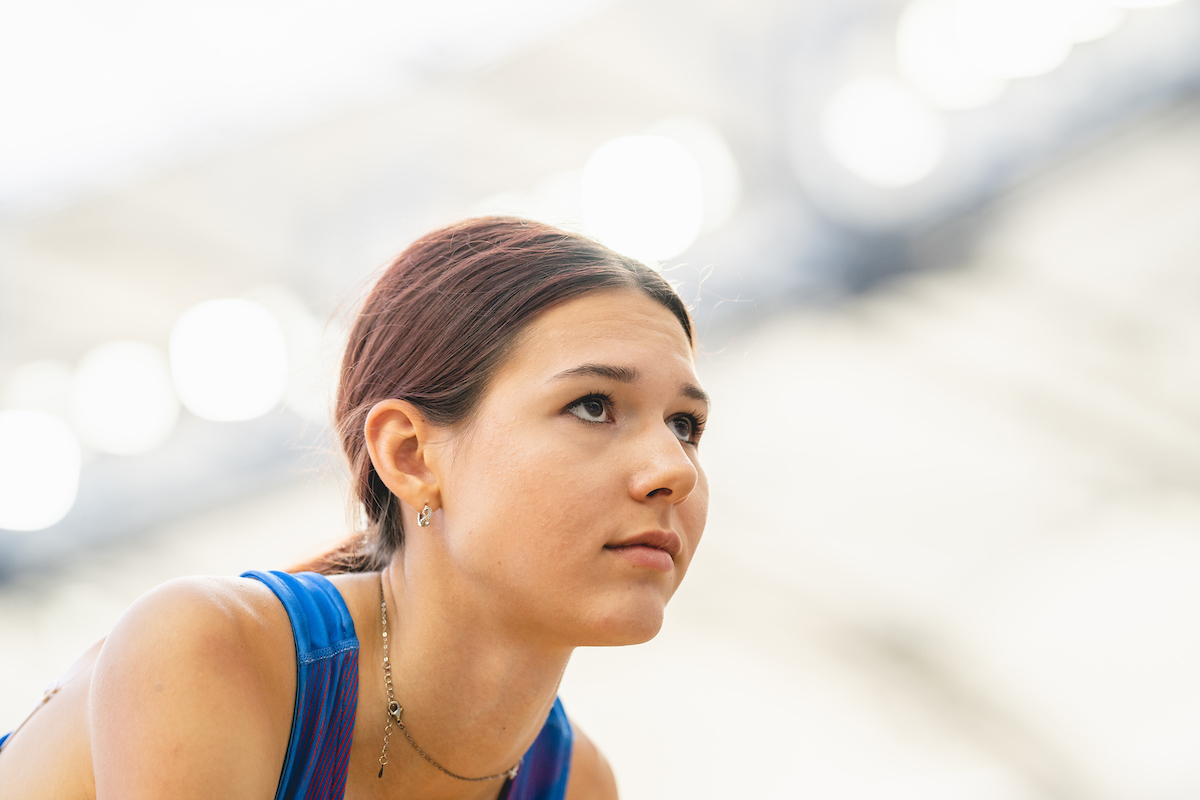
[(625, 375), (694, 392), (613, 373)]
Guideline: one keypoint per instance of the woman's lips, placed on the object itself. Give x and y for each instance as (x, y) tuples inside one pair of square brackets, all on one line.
[(644, 556), (667, 541)]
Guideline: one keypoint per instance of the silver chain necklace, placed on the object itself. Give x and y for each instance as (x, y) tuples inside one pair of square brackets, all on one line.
[(394, 710)]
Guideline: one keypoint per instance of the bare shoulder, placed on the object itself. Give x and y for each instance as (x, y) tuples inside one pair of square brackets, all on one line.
[(217, 625), (591, 777), (192, 693)]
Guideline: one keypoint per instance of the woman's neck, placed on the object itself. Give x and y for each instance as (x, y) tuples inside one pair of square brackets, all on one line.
[(474, 693)]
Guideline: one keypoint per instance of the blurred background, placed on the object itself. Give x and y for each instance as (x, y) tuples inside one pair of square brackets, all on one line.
[(944, 256)]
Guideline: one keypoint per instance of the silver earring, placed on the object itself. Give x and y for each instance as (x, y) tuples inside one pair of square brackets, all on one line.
[(423, 517)]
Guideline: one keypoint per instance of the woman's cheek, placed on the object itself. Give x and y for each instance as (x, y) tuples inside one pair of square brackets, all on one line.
[(695, 512)]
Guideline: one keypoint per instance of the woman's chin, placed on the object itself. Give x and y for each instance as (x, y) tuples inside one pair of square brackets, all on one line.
[(634, 626)]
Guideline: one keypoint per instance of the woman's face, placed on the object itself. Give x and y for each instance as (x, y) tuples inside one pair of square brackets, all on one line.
[(584, 445)]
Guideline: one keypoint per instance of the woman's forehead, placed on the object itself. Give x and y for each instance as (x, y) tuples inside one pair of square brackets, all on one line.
[(602, 326)]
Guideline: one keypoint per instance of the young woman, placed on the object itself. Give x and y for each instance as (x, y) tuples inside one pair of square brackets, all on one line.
[(521, 414)]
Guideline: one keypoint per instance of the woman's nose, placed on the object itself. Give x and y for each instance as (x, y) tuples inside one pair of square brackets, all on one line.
[(665, 470)]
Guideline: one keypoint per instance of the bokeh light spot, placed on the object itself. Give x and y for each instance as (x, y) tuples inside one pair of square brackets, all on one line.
[(1092, 19), (121, 398), (929, 58), (228, 359), (642, 196), (1013, 38), (720, 176), (313, 352), (881, 133), (39, 469)]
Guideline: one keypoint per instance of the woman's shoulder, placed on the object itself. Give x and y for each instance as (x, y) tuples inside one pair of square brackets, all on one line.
[(591, 777), (205, 627), (208, 620), (193, 691)]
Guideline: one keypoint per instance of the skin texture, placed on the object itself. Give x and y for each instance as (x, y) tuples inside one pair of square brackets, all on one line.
[(191, 695)]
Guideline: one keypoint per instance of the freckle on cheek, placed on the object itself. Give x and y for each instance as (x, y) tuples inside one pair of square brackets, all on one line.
[(158, 687)]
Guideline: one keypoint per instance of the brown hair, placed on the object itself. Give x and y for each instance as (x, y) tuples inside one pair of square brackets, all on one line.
[(436, 327)]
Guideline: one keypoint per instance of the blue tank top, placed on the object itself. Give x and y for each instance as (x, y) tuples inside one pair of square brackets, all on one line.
[(327, 696)]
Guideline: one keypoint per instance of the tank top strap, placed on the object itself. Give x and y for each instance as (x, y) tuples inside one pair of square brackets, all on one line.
[(547, 763), (326, 685)]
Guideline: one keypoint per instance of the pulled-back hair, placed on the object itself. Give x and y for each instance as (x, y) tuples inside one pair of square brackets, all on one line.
[(438, 324)]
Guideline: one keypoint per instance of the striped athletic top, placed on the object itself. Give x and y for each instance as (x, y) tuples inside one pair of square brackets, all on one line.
[(327, 695)]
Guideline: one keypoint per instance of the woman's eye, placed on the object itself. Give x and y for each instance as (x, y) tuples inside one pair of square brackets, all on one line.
[(683, 429), (591, 409)]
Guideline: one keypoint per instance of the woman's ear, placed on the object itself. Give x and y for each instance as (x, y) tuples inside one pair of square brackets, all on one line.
[(398, 438)]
